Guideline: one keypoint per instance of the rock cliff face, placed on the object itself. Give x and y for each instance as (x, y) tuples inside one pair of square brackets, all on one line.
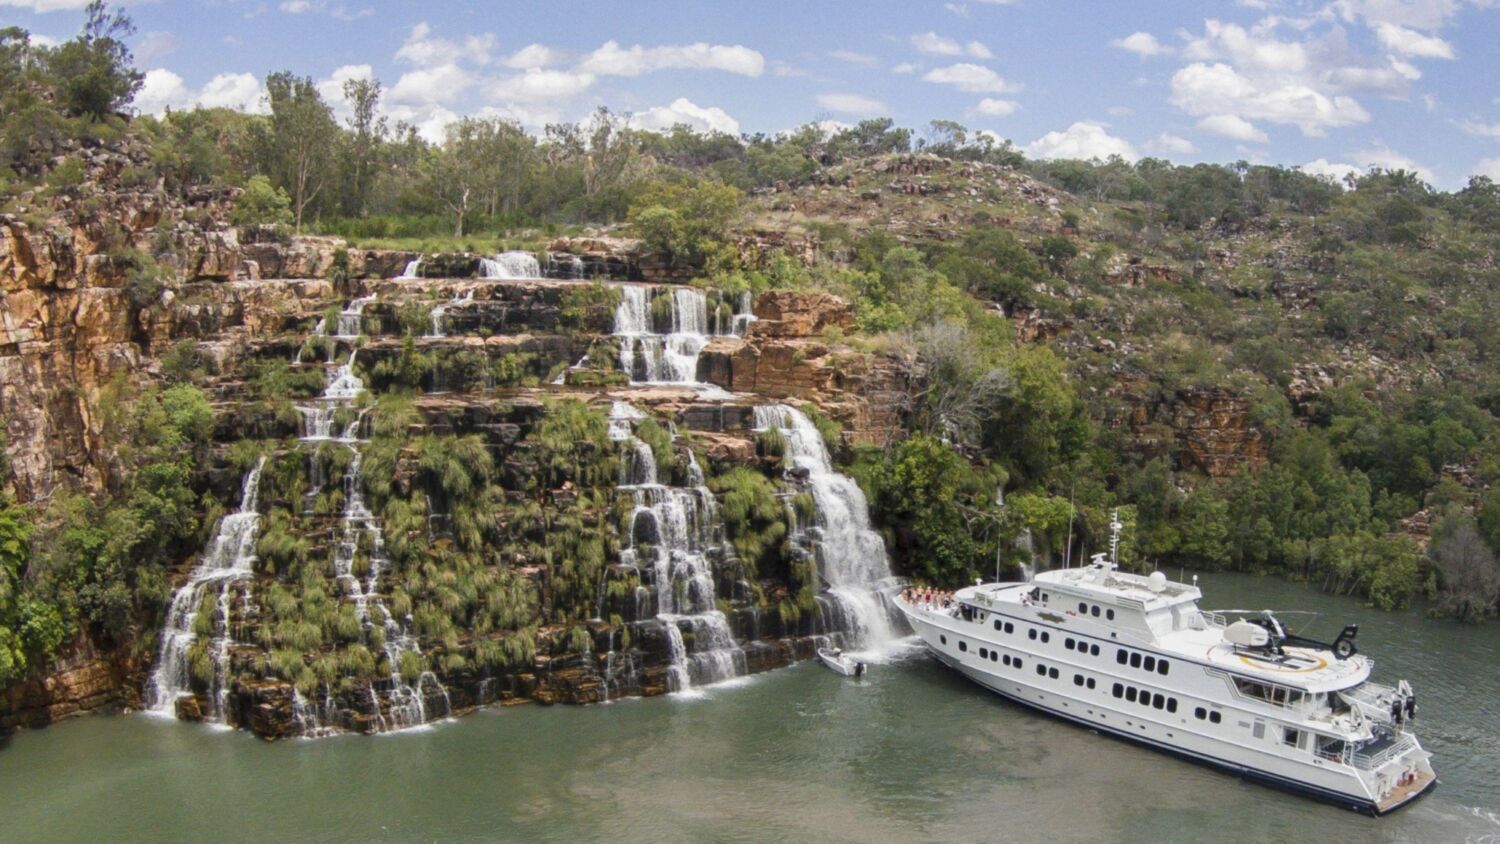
[(1204, 429)]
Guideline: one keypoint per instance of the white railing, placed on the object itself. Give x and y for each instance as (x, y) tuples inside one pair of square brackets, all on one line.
[(1372, 761), (1213, 619)]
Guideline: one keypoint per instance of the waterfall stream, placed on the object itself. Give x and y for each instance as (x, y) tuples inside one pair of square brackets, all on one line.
[(510, 266), (672, 532), (228, 560), (652, 357), (851, 557), (439, 313)]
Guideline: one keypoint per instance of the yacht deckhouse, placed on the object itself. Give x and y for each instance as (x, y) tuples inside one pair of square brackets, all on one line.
[(1134, 656)]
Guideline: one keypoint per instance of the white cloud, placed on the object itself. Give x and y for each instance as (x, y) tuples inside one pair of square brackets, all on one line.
[(1084, 140), (332, 88), (1409, 42), (1337, 171), (1143, 44), (1204, 89), (1486, 130), (1388, 159), (959, 9), (992, 107), (295, 7), (1233, 127), (613, 60), (685, 111), (852, 104), (162, 89), (973, 78), (905, 68), (535, 86), (852, 57), (533, 56), (931, 42), (1416, 14), (424, 50), (38, 40), (1488, 167), (443, 83), (1173, 145)]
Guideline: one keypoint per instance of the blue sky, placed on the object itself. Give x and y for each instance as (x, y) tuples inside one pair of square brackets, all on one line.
[(1327, 84)]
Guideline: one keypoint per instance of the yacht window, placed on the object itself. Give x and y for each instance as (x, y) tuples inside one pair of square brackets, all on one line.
[(1117, 690), (994, 656), (1093, 650), (1068, 643), (1259, 730), (1094, 611), (1091, 682), (943, 639), (1045, 596), (1017, 662), (1214, 717), (1200, 713), (1161, 667), (1052, 672), (1031, 634), (984, 653), (1046, 637), (1121, 657), (1006, 659), (1150, 663), (962, 645), (1130, 693), (1082, 608), (1010, 628), (1041, 669), (1135, 660), (1077, 679), (1279, 695), (1291, 737), (1109, 614), (1172, 704), (998, 625), (1159, 701)]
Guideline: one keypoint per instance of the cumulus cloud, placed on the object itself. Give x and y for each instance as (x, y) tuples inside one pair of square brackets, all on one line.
[(905, 68), (532, 56), (1233, 127), (423, 49), (162, 89), (1084, 140), (1416, 14), (1335, 170), (852, 104), (1299, 72), (1488, 167), (613, 60), (443, 83), (332, 88), (992, 107), (973, 78), (1170, 144), (537, 85), (931, 42), (1409, 42), (1388, 159), (1143, 44), (685, 112)]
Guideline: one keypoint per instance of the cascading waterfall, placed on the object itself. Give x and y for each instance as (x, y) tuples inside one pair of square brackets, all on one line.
[(672, 531), (851, 557), (406, 702), (510, 266), (413, 270), (350, 318), (650, 357), (439, 313), (228, 560)]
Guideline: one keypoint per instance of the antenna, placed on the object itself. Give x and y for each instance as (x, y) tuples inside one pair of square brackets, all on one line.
[(1114, 537), (1072, 514)]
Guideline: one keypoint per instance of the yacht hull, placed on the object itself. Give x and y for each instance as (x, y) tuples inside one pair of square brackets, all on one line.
[(1057, 706)]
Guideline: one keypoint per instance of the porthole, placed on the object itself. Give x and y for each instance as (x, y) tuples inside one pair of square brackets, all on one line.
[(1082, 607), (998, 625), (984, 653), (1093, 650), (1077, 679), (1091, 682), (1046, 637), (1068, 643), (1200, 713), (1010, 628), (1109, 614), (1052, 672), (963, 646), (1214, 717), (1094, 611), (1041, 669)]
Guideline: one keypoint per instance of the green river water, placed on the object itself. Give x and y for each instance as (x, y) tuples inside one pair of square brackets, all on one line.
[(912, 752)]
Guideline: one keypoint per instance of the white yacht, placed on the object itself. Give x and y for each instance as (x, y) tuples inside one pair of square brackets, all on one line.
[(1134, 656)]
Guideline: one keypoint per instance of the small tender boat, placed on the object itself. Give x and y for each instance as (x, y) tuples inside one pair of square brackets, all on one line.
[(841, 662)]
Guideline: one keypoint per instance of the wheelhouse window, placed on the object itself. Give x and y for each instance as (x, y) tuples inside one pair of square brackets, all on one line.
[(1268, 692), (1291, 737)]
